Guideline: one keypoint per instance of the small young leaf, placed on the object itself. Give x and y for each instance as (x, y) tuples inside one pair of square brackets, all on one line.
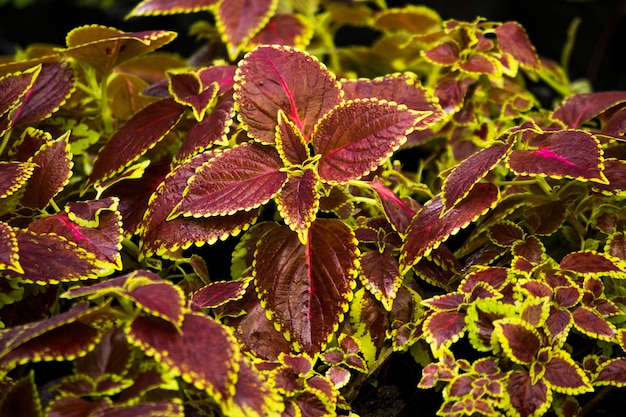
[(273, 78), (357, 136), (126, 145), (238, 179), (381, 276), (289, 141), (298, 202)]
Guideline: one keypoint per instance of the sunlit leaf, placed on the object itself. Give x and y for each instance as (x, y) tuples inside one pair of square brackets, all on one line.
[(284, 29), (14, 86), (13, 176), (298, 202), (218, 293), (513, 40), (187, 89), (272, 78), (162, 7), (306, 288), (357, 136), (581, 108)]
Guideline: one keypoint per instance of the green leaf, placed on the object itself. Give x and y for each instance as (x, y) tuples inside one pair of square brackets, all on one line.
[(178, 350), (306, 288), (428, 228), (273, 78), (153, 121), (238, 179), (357, 136)]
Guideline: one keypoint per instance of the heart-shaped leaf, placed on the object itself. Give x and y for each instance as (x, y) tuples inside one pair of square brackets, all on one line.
[(357, 136), (178, 350), (306, 288), (238, 179), (273, 78), (127, 144), (572, 154)]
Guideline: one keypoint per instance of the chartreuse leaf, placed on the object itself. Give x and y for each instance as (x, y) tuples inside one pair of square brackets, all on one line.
[(238, 179), (94, 225), (188, 89), (410, 18), (572, 154), (104, 48), (13, 176), (563, 375), (9, 251), (162, 7), (357, 136), (307, 287), (428, 228), (179, 350), (22, 399), (159, 235), (153, 121), (273, 78), (147, 290), (239, 20), (64, 336)]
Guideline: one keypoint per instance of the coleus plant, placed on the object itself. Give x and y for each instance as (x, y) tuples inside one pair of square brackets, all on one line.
[(119, 162)]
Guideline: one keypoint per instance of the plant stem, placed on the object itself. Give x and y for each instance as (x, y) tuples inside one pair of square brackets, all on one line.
[(597, 399)]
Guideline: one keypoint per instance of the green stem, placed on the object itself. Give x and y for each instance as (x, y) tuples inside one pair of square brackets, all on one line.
[(5, 140)]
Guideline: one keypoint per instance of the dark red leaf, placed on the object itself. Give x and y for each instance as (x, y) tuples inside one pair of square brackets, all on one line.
[(178, 350), (591, 324), (444, 327), (446, 53), (142, 132), (298, 202), (579, 109), (357, 136), (589, 262), (479, 64), (380, 275), (513, 40), (527, 399), (284, 29), (238, 179), (428, 229), (565, 376), (615, 173), (445, 302), (546, 218), (159, 7), (22, 399), (289, 141), (13, 176), (239, 20), (519, 339), (253, 395), (306, 288), (273, 78), (188, 90), (611, 372), (218, 293), (112, 355), (15, 86), (496, 277), (397, 211), (565, 154)]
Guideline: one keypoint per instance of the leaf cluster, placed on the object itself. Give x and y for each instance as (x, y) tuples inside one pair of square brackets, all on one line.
[(412, 196)]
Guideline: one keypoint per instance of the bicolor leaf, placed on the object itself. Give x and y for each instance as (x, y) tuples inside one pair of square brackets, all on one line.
[(306, 288), (592, 324), (13, 176), (164, 7), (381, 275), (273, 78), (592, 263), (14, 86), (527, 399), (443, 328), (520, 340), (298, 202), (187, 89), (611, 372), (218, 293), (357, 136), (564, 375), (284, 29), (581, 108), (9, 251), (513, 40)]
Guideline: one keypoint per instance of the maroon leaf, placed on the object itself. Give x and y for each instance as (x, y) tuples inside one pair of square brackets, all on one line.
[(142, 132), (446, 53), (9, 251), (187, 89), (218, 293), (397, 211), (611, 372), (272, 78), (289, 141), (14, 86), (178, 350), (526, 398), (380, 274), (466, 174), (92, 225), (307, 288), (591, 324), (212, 129), (615, 173), (359, 135), (112, 355), (589, 262), (513, 40), (546, 218), (159, 235), (22, 399), (519, 340), (238, 179), (158, 7), (579, 109), (253, 395), (558, 322), (444, 327), (284, 29), (13, 176), (104, 48), (428, 228), (565, 376), (479, 64), (565, 154), (298, 202), (54, 84), (239, 20)]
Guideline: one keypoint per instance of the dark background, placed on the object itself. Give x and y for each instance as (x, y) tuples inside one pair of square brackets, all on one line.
[(598, 53)]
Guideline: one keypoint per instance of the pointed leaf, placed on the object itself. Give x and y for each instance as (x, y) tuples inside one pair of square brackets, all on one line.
[(572, 154), (527, 399), (14, 86), (590, 263), (579, 109), (9, 251), (428, 229), (289, 141), (359, 135), (141, 133), (519, 339), (54, 169), (591, 324), (104, 48), (254, 397), (187, 89), (238, 179), (218, 293), (615, 173), (397, 211), (563, 375), (22, 399), (307, 288), (161, 7), (443, 328), (239, 20), (178, 351), (298, 202), (381, 275), (211, 130), (611, 372), (513, 40), (159, 235), (13, 176), (471, 170), (272, 78)]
